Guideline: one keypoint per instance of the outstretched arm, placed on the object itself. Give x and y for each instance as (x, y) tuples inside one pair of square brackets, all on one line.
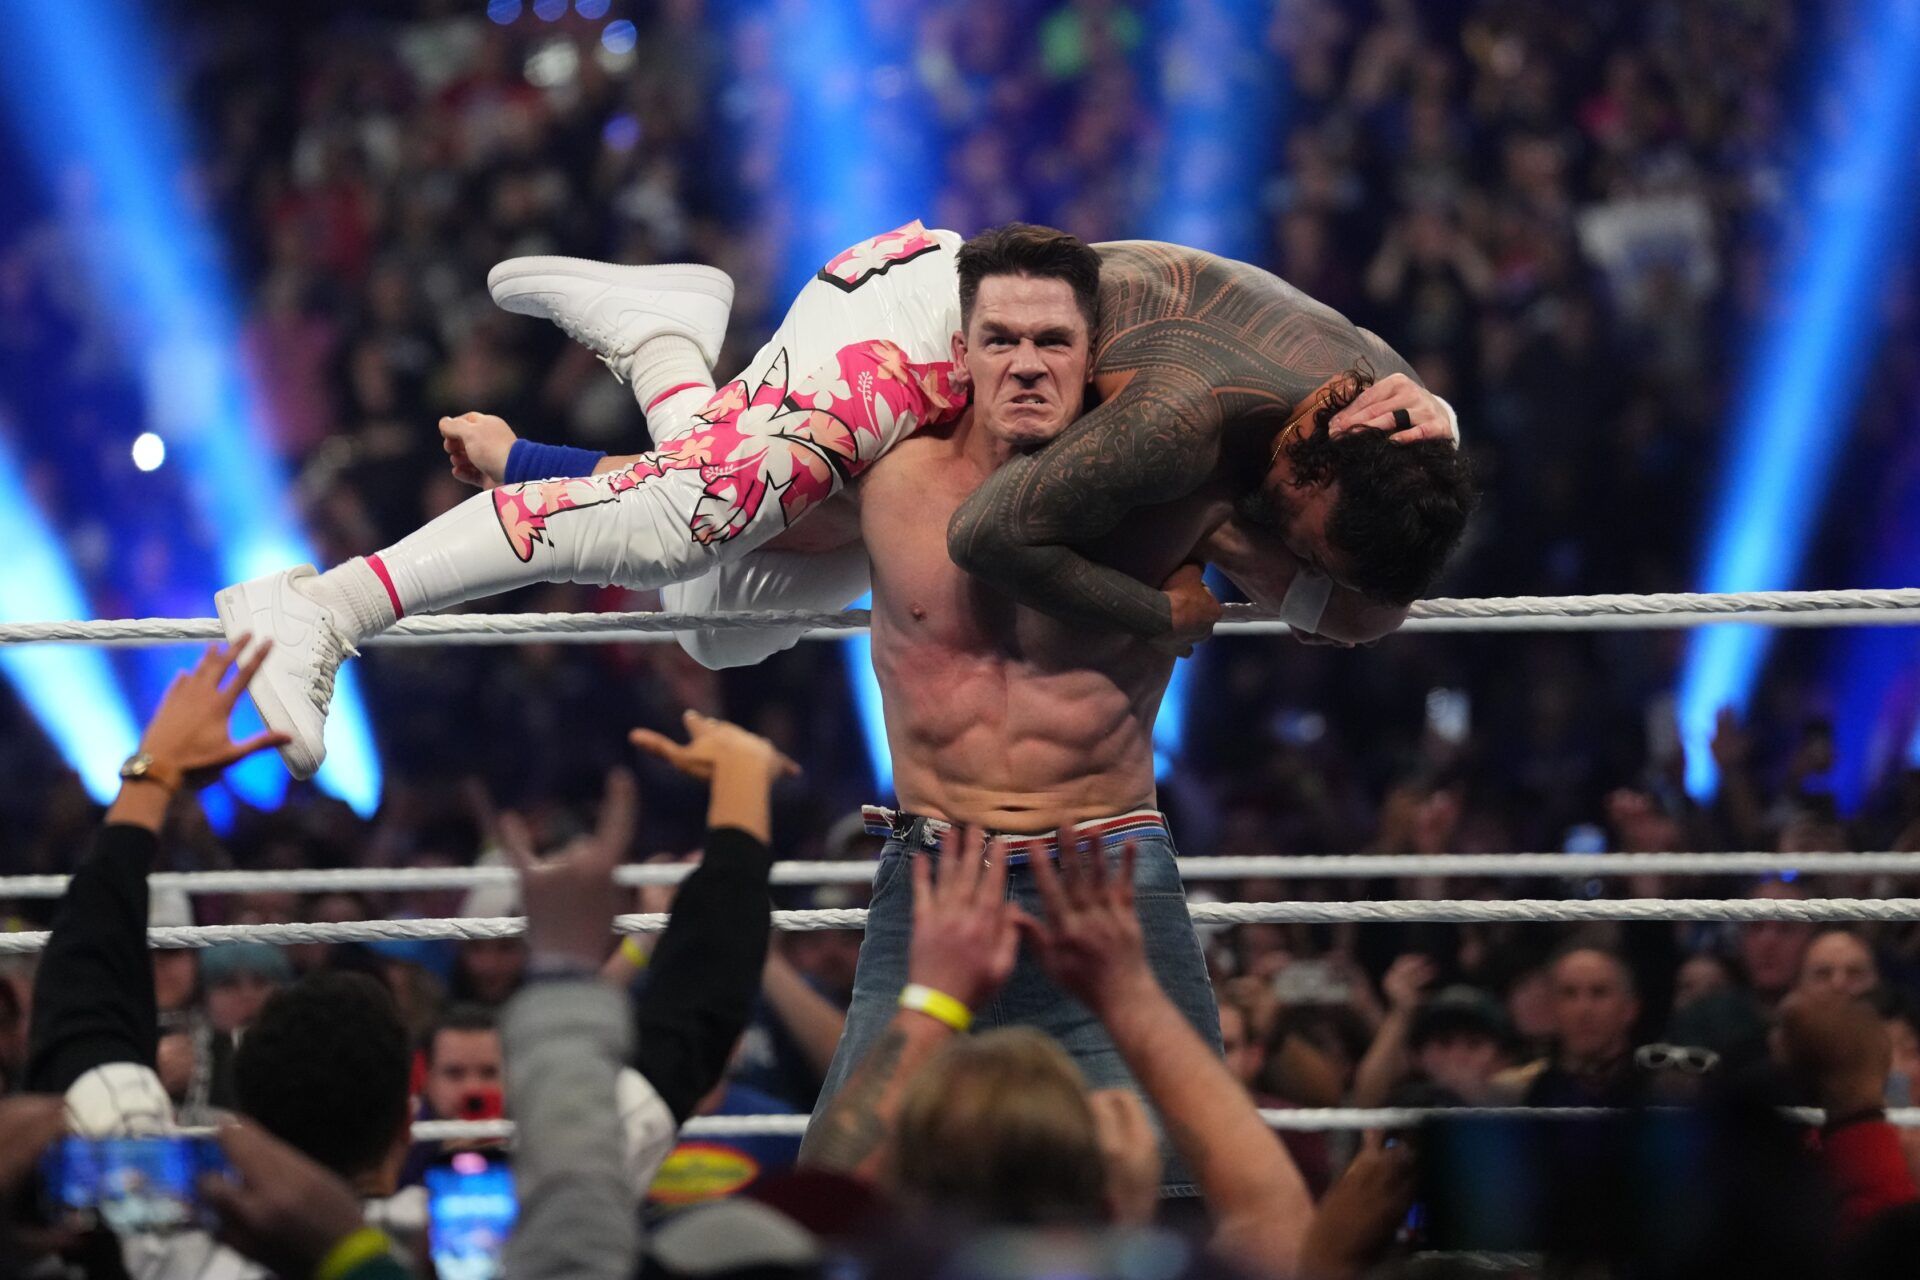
[(1155, 441), (1092, 946)]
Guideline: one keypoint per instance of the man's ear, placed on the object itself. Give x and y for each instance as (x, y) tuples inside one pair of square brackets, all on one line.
[(962, 379)]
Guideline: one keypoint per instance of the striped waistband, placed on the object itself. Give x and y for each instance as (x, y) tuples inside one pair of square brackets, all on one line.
[(921, 832)]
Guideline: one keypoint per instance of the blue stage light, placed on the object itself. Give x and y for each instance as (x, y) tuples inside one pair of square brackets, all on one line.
[(845, 187), (70, 690), (1801, 382), (92, 97), (1219, 95)]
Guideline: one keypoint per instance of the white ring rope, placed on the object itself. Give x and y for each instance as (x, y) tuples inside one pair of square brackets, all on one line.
[(1435, 911), (1356, 866), (1500, 613), (1303, 1120)]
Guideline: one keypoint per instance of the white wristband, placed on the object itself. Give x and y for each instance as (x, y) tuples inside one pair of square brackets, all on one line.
[(1453, 421), (1306, 600)]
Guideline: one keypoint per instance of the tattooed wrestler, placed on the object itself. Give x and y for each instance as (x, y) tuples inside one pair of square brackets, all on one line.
[(1008, 716), (868, 355)]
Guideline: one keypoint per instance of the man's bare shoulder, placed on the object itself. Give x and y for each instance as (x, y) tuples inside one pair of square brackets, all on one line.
[(1257, 340)]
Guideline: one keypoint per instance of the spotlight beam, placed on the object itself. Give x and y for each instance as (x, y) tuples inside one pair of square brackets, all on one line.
[(1800, 386)]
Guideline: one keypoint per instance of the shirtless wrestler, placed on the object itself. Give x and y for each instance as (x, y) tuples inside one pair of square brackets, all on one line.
[(999, 714), (862, 360)]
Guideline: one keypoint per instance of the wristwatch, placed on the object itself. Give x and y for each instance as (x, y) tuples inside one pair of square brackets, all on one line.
[(142, 767)]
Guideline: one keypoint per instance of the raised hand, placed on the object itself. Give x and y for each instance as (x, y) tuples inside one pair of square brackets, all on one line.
[(188, 737), (966, 935), (1406, 979), (570, 897), (284, 1210), (1090, 942), (709, 741), (1360, 1214)]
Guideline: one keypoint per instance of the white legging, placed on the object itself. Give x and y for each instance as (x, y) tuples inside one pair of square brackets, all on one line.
[(862, 360)]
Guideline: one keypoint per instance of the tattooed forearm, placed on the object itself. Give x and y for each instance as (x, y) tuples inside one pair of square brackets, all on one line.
[(1155, 441), (853, 1127)]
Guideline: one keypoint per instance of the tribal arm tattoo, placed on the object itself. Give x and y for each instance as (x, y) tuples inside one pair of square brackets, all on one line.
[(851, 1135), (1155, 441), (1211, 343)]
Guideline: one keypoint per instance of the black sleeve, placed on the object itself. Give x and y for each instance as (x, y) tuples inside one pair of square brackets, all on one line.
[(705, 971), (93, 995)]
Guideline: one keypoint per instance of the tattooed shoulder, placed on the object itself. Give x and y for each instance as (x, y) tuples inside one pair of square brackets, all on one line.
[(1257, 341)]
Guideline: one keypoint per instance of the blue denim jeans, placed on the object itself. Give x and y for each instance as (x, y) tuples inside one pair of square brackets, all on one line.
[(1030, 999)]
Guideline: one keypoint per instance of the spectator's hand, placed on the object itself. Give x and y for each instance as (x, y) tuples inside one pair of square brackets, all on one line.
[(285, 1211), (966, 934), (1406, 979), (1360, 1214), (1195, 610), (28, 1125), (1838, 1047), (1091, 942), (1373, 409), (477, 446), (1131, 1152), (1732, 745), (188, 736), (570, 898), (711, 742)]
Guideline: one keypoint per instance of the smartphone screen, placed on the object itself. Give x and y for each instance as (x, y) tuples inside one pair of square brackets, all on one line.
[(470, 1211), (134, 1185)]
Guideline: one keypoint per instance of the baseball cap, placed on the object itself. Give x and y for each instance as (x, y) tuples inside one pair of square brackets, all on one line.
[(1457, 1010)]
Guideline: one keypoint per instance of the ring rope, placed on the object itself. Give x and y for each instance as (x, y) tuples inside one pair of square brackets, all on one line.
[(1434, 911), (1302, 1120), (1545, 613), (1357, 866)]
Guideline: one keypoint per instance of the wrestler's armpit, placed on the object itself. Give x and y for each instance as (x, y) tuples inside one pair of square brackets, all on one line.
[(1155, 441)]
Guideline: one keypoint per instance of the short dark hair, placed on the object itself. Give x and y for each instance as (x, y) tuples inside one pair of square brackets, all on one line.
[(1581, 943), (461, 1015), (325, 1069), (1402, 508), (1023, 249)]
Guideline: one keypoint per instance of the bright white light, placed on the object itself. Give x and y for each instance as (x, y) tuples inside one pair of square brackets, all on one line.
[(149, 451)]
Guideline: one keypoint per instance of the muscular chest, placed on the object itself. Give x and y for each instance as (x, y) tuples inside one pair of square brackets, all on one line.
[(922, 598)]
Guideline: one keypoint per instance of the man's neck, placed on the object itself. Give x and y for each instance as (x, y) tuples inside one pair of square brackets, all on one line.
[(980, 446)]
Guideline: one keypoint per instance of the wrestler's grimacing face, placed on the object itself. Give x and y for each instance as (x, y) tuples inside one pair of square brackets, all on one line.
[(1026, 351)]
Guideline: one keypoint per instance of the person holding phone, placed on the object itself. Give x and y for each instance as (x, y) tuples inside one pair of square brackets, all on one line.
[(95, 1034)]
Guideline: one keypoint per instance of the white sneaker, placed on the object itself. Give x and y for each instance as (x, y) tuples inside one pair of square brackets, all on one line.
[(612, 309), (294, 689)]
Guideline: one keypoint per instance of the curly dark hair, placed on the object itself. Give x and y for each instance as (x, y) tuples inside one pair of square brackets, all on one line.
[(1402, 508), (325, 1069)]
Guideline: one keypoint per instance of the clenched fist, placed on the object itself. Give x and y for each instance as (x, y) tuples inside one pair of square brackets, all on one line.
[(477, 445)]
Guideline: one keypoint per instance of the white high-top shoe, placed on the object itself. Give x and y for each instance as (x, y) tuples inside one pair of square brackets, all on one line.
[(294, 689), (611, 309)]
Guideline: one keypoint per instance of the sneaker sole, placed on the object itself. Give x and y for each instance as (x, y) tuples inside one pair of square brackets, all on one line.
[(676, 277), (236, 619)]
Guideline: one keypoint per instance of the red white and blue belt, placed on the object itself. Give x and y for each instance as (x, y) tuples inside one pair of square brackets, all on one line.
[(921, 832)]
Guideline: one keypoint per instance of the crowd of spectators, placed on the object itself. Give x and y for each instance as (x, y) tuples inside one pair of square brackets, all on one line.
[(1563, 215)]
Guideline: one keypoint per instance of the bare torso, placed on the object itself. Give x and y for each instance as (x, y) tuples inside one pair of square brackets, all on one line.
[(996, 713)]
